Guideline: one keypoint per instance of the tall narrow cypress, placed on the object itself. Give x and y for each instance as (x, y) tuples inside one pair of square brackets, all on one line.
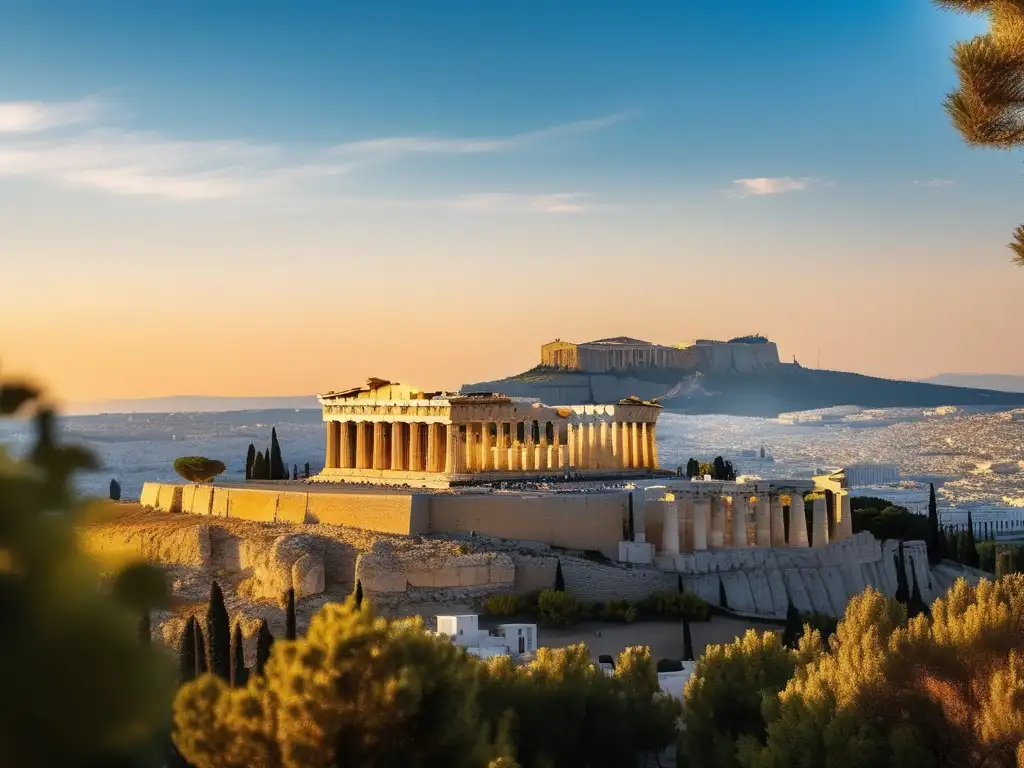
[(723, 601), (559, 578), (687, 641), (264, 641), (250, 459), (187, 651), (289, 621), (239, 674), (202, 665), (902, 590), (306, 470), (218, 634), (935, 553), (917, 605), (277, 468), (793, 629), (679, 583), (357, 594), (969, 554)]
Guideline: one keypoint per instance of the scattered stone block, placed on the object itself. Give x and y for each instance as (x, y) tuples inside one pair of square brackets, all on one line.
[(308, 576)]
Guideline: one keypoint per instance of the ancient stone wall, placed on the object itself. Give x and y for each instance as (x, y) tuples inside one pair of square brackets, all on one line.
[(533, 573), (386, 571), (595, 582), (574, 521)]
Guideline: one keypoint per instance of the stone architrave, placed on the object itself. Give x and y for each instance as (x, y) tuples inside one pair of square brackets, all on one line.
[(701, 515), (670, 528), (819, 519), (797, 521), (762, 522), (778, 524), (739, 520), (716, 532)]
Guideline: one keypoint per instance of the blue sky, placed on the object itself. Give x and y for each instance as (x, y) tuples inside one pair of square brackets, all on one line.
[(788, 143)]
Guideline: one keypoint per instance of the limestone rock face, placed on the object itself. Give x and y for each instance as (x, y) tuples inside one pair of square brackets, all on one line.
[(308, 576)]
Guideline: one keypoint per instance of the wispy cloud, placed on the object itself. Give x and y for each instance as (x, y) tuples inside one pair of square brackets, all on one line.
[(933, 183), (572, 202), (767, 185), (124, 162), (36, 116)]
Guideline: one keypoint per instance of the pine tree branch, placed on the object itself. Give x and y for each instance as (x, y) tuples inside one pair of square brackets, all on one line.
[(1017, 246)]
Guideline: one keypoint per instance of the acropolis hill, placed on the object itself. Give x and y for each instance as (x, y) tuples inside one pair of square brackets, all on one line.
[(743, 376)]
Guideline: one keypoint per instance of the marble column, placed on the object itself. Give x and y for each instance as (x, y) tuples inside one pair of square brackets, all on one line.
[(603, 452), (778, 525), (762, 521), (500, 447), (739, 520), (379, 445), (570, 443), (797, 521), (556, 445), (636, 461), (415, 448), (670, 528), (593, 444), (653, 448), (716, 535), (844, 526), (645, 447), (331, 461), (615, 450), (486, 455), (348, 459), (435, 448), (470, 449), (624, 433), (526, 459), (819, 521), (398, 446), (701, 515), (363, 440)]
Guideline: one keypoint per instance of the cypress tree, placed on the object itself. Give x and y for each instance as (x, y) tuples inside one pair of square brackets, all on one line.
[(968, 547), (115, 490), (239, 674), (357, 594), (187, 651), (718, 470), (1004, 563), (794, 628), (277, 468), (631, 533), (559, 579), (264, 641), (722, 600), (250, 459), (289, 620), (295, 471), (917, 605), (679, 583), (201, 661), (934, 545), (902, 590), (687, 641), (145, 630), (306, 473), (218, 634)]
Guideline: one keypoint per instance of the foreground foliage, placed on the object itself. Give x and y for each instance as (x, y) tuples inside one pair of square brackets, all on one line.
[(198, 469), (360, 690), (79, 689)]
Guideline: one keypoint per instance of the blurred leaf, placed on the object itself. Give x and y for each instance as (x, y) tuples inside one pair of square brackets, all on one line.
[(14, 396), (142, 587)]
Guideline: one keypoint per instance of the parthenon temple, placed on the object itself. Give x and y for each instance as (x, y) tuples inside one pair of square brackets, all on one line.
[(685, 516), (387, 433)]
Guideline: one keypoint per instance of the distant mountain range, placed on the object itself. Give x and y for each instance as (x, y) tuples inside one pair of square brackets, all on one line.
[(191, 404), (997, 381)]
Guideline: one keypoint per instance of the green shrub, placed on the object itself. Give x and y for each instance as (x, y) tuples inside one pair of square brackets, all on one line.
[(820, 621), (559, 609), (504, 605), (675, 606), (617, 610), (198, 469)]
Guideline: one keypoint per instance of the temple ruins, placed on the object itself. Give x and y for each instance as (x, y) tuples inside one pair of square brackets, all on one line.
[(393, 434)]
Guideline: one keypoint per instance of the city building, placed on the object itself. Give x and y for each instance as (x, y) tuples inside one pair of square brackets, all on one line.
[(509, 639), (393, 434)]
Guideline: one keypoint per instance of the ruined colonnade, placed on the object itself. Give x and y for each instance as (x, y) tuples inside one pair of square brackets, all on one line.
[(702, 522), (591, 443)]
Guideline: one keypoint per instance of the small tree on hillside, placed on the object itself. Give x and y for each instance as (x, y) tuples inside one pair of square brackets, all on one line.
[(259, 467), (692, 468), (187, 651), (250, 459), (559, 579), (794, 627), (357, 594), (935, 553), (968, 547), (295, 471), (290, 628), (278, 471), (264, 642), (115, 490), (687, 641), (239, 674), (218, 633), (306, 471)]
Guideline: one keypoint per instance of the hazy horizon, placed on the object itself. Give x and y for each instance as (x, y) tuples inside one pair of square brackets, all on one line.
[(332, 195)]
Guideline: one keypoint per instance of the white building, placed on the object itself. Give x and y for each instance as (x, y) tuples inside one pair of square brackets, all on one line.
[(861, 475), (509, 639)]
